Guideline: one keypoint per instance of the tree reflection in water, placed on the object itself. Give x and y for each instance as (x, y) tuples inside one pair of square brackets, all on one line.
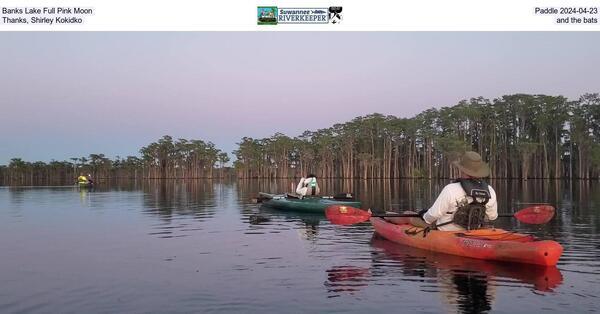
[(168, 199)]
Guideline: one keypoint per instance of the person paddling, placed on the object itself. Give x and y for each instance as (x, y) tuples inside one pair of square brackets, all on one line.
[(308, 186), (82, 179), (465, 203)]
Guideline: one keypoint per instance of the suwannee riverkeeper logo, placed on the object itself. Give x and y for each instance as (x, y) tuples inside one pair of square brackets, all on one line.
[(274, 15)]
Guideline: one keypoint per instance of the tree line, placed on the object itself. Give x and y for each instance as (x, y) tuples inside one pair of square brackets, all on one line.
[(165, 158), (521, 136)]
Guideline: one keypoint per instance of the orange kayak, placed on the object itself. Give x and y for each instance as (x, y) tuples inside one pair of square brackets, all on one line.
[(487, 244)]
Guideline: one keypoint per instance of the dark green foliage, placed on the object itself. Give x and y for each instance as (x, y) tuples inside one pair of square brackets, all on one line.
[(162, 159), (522, 136)]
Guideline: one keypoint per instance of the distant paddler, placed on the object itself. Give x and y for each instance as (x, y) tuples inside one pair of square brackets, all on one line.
[(83, 180)]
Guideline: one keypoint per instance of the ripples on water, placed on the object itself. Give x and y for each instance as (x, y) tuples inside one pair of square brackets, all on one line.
[(198, 246)]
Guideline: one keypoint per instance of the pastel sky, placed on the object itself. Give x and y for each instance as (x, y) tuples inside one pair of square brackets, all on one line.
[(67, 95)]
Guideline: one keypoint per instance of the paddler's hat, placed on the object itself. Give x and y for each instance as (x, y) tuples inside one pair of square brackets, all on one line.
[(471, 164)]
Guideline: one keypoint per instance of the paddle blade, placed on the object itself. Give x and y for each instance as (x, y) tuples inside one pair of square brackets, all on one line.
[(346, 215), (536, 215)]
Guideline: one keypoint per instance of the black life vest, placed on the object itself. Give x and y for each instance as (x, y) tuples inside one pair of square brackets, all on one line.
[(472, 215)]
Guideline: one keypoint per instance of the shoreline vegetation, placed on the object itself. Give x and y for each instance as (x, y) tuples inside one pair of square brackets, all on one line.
[(521, 136)]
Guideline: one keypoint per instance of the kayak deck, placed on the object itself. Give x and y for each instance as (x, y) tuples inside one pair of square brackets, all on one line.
[(487, 244)]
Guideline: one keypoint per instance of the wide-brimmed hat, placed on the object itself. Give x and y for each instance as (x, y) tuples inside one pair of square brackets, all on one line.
[(471, 163)]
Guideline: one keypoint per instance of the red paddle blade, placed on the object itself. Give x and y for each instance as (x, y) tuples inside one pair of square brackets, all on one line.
[(536, 215), (346, 215)]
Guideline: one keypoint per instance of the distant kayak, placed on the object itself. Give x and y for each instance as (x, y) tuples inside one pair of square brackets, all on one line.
[(85, 184), (487, 244), (308, 204)]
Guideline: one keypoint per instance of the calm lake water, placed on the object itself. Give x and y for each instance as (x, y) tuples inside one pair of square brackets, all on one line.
[(189, 246)]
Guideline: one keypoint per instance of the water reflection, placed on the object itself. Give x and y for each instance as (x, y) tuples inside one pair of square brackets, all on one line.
[(467, 283), (85, 197), (372, 193), (420, 193), (176, 201), (469, 292), (189, 244), (307, 224), (346, 279)]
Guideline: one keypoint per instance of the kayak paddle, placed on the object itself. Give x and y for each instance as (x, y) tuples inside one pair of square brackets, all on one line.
[(347, 215)]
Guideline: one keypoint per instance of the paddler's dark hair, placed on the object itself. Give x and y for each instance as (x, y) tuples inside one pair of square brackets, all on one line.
[(310, 175)]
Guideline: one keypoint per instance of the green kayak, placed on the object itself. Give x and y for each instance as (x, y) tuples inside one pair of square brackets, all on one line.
[(85, 184), (307, 204)]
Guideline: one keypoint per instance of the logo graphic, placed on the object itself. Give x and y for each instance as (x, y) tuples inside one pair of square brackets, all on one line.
[(335, 15), (276, 15), (267, 15), (302, 16)]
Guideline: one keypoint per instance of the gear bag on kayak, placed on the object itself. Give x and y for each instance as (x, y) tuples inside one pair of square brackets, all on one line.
[(472, 215)]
